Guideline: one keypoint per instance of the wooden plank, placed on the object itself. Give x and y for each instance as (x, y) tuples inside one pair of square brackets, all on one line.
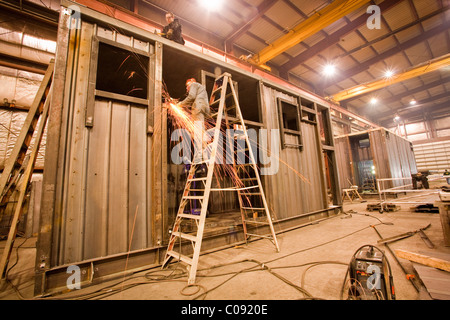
[(423, 259), (436, 281)]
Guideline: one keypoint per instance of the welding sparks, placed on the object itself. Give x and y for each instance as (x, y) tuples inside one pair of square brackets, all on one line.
[(180, 116), (235, 172)]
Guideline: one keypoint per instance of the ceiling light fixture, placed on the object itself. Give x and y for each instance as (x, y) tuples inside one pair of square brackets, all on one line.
[(388, 74), (396, 118), (329, 69), (412, 102), (211, 5), (373, 101)]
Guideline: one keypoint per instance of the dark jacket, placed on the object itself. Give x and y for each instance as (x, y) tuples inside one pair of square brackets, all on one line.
[(173, 32)]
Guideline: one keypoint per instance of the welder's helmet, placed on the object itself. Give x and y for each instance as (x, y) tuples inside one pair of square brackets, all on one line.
[(189, 82)]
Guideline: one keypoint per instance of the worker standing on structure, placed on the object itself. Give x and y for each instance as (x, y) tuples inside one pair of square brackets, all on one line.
[(198, 100), (172, 30), (447, 175)]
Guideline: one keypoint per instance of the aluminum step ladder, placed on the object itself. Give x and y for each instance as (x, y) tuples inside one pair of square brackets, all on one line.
[(248, 184), (19, 166)]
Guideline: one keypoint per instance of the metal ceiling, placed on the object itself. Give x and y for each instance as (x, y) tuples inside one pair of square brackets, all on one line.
[(302, 36), (411, 33)]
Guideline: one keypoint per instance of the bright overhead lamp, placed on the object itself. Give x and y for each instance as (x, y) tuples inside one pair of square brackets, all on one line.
[(373, 101), (211, 5), (329, 69), (397, 117), (388, 74), (412, 102)]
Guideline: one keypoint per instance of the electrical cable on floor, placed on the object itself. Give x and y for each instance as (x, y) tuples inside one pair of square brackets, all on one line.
[(262, 266), (351, 211), (302, 250), (16, 290), (110, 290)]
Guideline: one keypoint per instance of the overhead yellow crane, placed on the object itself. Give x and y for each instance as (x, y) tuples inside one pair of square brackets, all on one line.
[(431, 65), (319, 20)]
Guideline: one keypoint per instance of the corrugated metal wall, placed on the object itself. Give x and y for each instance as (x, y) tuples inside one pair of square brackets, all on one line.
[(297, 187), (392, 156), (433, 156), (344, 161), (106, 193), (111, 186)]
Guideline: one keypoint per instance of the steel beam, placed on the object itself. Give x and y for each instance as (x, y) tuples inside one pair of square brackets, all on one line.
[(319, 20), (410, 93), (407, 111), (416, 71), (389, 53), (333, 38), (240, 30)]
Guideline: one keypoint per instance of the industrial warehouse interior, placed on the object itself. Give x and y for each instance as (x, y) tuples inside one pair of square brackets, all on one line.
[(242, 152)]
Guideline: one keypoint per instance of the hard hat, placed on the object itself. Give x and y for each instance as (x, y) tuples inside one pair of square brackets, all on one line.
[(190, 81)]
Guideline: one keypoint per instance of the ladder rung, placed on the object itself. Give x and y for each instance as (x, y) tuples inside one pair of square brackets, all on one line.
[(189, 216), (201, 162), (251, 194), (218, 100), (180, 256), (256, 222), (214, 102), (185, 236), (217, 89), (194, 197), (252, 208), (258, 235)]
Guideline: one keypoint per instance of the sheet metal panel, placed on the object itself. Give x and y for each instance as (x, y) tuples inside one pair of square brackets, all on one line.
[(97, 180), (297, 188), (344, 162), (107, 181), (392, 156)]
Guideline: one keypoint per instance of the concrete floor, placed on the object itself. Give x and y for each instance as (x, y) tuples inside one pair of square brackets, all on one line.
[(312, 263)]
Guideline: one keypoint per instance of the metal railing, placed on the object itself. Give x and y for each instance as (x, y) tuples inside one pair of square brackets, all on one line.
[(407, 189)]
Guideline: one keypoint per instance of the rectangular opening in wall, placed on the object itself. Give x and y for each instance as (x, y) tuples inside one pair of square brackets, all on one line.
[(177, 67), (326, 134), (308, 111), (289, 117), (290, 130), (307, 103), (122, 71), (363, 165)]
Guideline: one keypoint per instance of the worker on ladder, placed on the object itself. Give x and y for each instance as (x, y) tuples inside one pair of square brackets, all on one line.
[(198, 100)]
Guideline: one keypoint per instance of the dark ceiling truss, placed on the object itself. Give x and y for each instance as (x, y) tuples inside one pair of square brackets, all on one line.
[(425, 106), (411, 92), (400, 48), (245, 26), (331, 39), (298, 67), (237, 20)]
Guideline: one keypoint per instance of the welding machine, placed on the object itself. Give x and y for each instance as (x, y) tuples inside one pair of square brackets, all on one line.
[(370, 275)]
